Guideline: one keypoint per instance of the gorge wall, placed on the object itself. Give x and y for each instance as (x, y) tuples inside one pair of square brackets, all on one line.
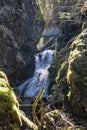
[(20, 29), (21, 25), (21, 21), (68, 72)]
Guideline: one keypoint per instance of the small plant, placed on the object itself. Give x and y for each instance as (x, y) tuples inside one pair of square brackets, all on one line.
[(39, 123)]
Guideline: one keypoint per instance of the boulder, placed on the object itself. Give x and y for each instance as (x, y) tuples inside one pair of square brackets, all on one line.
[(70, 88), (77, 75)]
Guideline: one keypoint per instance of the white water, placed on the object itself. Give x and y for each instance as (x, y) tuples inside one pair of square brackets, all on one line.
[(32, 86)]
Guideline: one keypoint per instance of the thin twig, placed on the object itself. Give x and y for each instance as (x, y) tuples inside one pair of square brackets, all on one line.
[(65, 119)]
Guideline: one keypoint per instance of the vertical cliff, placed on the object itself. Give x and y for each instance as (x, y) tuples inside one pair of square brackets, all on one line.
[(68, 72), (21, 28)]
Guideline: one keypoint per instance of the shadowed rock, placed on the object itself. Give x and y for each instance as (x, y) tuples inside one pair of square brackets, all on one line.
[(50, 31)]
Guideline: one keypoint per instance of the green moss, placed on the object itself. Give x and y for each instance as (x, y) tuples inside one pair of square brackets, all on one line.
[(42, 4), (58, 72), (71, 79), (69, 94), (77, 75), (61, 72), (9, 106), (42, 42), (39, 16), (56, 65), (84, 15), (84, 25)]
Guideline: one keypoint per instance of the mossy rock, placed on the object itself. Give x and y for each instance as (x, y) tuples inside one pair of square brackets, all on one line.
[(71, 79), (10, 118), (56, 65), (58, 70), (77, 75), (84, 15), (39, 16)]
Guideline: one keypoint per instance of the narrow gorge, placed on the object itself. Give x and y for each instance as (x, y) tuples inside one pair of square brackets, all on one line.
[(43, 65)]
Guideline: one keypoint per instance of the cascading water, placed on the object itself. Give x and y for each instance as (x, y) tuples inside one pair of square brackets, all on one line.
[(40, 78)]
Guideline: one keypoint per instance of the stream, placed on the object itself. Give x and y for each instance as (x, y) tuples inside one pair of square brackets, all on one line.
[(32, 86)]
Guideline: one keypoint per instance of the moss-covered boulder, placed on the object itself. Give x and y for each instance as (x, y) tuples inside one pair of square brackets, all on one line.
[(77, 75), (70, 69), (58, 71), (10, 118)]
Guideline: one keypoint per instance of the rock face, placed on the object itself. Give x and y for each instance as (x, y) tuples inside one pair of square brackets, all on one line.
[(71, 80), (77, 75), (84, 15), (24, 19), (58, 85), (64, 15), (10, 57), (20, 29), (69, 70)]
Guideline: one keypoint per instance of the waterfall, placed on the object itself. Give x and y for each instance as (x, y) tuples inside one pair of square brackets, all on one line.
[(32, 86)]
